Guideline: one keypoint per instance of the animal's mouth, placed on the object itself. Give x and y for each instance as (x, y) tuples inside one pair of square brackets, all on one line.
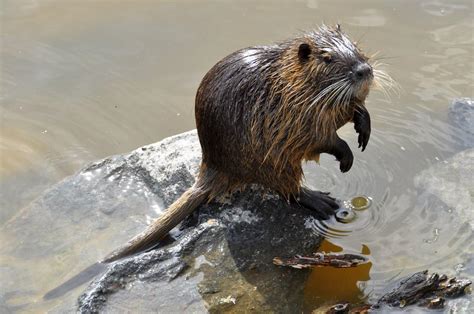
[(362, 76), (362, 88)]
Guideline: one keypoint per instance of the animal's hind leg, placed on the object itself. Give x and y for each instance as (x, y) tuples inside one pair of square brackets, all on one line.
[(320, 203)]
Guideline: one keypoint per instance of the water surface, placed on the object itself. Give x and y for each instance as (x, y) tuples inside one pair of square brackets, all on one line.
[(81, 80)]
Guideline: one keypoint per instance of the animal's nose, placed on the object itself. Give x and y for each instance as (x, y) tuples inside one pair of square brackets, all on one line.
[(362, 71)]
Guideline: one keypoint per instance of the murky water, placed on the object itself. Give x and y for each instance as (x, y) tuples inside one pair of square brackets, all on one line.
[(81, 80)]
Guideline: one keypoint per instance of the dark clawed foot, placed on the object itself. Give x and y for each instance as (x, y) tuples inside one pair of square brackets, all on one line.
[(320, 203), (362, 126)]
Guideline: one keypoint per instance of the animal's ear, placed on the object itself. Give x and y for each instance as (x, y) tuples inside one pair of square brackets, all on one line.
[(338, 27), (304, 51)]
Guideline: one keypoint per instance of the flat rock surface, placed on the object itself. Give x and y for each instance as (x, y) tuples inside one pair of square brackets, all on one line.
[(220, 259)]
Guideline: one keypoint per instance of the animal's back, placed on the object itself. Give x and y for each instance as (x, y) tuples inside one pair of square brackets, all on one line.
[(228, 100)]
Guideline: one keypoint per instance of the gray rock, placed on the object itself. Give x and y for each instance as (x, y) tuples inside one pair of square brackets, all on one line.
[(461, 113), (223, 261), (221, 258)]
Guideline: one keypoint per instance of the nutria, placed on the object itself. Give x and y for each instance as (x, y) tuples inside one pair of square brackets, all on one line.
[(261, 111)]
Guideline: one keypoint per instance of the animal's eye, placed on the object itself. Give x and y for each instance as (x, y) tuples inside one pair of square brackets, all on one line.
[(327, 58)]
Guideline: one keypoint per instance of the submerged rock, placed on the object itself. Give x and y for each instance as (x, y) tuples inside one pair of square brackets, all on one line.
[(461, 114), (451, 182), (221, 258)]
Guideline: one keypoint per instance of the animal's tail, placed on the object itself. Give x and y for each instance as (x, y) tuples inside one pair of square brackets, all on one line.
[(199, 193)]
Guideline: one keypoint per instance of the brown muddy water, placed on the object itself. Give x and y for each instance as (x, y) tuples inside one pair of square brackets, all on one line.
[(81, 80)]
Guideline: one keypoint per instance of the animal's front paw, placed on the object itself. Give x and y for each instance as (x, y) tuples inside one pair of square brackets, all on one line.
[(345, 163), (344, 155), (362, 126)]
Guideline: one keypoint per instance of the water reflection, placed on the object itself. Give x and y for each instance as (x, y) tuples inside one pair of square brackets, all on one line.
[(330, 285)]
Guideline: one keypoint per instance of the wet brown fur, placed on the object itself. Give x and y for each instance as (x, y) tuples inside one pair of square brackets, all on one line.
[(260, 112), (280, 126)]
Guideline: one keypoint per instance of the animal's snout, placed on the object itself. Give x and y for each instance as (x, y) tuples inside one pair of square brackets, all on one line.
[(362, 71)]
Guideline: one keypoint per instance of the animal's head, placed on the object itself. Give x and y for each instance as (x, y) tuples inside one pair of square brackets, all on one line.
[(339, 70)]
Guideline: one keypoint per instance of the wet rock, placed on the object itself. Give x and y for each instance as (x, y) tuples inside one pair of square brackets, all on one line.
[(461, 113), (422, 289), (225, 262), (221, 258)]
